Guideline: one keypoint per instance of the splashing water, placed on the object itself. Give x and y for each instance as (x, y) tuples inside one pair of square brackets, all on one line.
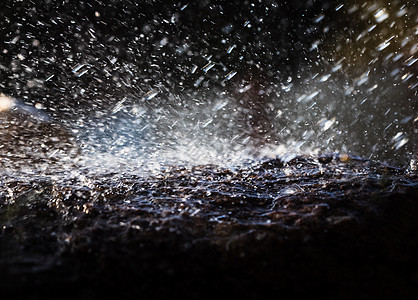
[(144, 89), (137, 135)]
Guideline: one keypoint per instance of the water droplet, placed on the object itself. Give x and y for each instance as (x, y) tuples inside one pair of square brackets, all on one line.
[(15, 40), (326, 124), (397, 57), (401, 12), (363, 78), (150, 94), (289, 191), (49, 77), (380, 15), (406, 77), (400, 140), (199, 81), (80, 70), (324, 78), (311, 96), (39, 106), (92, 33), (244, 89), (337, 67), (315, 45), (395, 72), (118, 106), (220, 105), (383, 45), (410, 61), (6, 103), (339, 7), (207, 122), (112, 59), (230, 75), (371, 28), (164, 41), (319, 18), (208, 66), (230, 48), (352, 9)]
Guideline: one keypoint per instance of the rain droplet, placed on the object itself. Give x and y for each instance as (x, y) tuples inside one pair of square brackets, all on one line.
[(80, 70), (207, 122), (398, 57), (208, 66), (326, 124), (150, 94), (380, 15), (199, 81), (383, 45), (324, 78), (15, 40), (410, 61), (49, 77), (112, 59), (336, 67), (319, 18), (400, 139), (230, 75), (220, 105), (401, 12), (311, 96), (230, 48), (406, 77), (339, 7), (244, 89), (118, 106), (363, 78), (371, 28)]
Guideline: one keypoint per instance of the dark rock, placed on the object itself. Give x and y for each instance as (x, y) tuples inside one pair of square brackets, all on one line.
[(339, 231)]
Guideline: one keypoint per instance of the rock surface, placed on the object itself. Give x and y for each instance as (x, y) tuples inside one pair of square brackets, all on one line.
[(329, 227)]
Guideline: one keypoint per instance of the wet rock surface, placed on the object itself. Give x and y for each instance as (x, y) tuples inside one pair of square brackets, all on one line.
[(331, 226)]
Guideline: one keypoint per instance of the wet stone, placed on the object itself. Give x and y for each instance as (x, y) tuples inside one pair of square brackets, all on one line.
[(269, 226)]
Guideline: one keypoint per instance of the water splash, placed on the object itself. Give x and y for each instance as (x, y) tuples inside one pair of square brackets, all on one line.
[(155, 89)]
